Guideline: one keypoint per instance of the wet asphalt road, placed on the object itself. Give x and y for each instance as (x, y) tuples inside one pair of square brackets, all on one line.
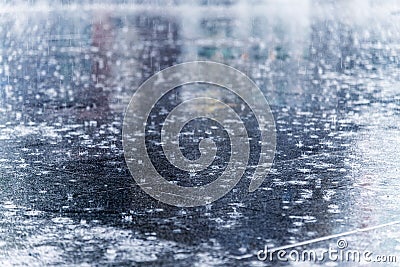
[(329, 71)]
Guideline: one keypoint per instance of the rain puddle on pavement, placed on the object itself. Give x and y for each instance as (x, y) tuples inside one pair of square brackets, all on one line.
[(67, 73)]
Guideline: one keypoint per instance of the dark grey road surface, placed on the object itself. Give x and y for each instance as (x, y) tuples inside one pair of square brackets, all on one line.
[(330, 72)]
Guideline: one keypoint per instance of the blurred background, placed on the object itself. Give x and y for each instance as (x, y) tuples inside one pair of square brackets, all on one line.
[(329, 69)]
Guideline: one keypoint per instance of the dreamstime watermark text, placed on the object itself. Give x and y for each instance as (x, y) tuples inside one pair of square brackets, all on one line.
[(339, 253)]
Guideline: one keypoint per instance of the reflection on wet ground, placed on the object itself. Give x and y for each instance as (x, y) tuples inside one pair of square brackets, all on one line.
[(329, 71)]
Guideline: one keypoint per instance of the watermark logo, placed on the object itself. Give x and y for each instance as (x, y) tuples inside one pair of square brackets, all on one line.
[(160, 84), (340, 253)]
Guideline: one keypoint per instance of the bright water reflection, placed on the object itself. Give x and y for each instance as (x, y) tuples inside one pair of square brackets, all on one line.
[(330, 72)]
